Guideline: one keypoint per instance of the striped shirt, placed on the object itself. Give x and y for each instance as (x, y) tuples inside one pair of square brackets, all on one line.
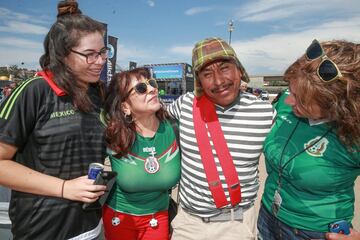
[(245, 124)]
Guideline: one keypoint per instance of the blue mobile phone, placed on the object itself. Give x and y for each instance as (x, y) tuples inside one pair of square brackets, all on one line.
[(341, 226)]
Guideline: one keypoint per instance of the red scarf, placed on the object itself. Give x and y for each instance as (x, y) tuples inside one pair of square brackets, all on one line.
[(204, 114)]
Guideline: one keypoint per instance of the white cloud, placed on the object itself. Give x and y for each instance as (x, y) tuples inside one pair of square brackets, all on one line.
[(181, 50), (197, 10), (16, 56), (135, 54), (273, 53), (259, 6), (19, 43), (9, 15), (14, 22), (268, 10), (17, 50), (267, 53), (152, 55), (151, 3), (273, 15), (22, 27)]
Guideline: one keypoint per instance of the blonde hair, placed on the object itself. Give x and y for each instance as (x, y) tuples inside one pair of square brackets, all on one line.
[(339, 101)]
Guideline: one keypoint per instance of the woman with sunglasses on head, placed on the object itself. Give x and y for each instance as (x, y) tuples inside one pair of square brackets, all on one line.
[(143, 150), (312, 152), (50, 131)]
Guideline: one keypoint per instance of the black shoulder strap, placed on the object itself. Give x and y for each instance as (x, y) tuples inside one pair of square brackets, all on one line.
[(175, 126), (276, 99)]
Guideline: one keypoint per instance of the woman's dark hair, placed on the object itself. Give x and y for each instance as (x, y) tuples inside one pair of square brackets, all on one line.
[(339, 100), (120, 132), (71, 25)]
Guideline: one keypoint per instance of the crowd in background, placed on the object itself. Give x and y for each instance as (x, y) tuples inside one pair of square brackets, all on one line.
[(6, 90)]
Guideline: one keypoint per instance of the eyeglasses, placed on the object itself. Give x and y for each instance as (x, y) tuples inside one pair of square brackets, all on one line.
[(327, 71), (141, 87), (93, 57)]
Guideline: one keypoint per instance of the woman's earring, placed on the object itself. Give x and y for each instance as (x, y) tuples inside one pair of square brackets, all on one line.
[(128, 118)]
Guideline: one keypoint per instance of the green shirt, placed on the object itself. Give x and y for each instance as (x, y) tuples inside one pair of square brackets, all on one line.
[(138, 189), (318, 183)]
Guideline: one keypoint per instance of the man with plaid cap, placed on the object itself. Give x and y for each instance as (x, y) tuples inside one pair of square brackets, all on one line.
[(221, 134)]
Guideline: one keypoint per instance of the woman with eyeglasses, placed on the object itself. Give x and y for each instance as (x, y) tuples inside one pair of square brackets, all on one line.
[(143, 150), (312, 152), (50, 131)]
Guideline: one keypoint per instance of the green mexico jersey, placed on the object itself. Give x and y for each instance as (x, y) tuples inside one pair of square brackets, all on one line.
[(319, 172), (146, 174)]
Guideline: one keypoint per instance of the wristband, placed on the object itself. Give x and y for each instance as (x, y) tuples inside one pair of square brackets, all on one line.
[(62, 189)]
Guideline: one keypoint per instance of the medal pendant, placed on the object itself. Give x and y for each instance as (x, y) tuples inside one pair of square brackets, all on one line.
[(153, 223), (115, 221), (151, 165), (276, 204)]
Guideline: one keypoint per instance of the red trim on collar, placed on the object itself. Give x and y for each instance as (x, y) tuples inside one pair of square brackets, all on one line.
[(48, 76)]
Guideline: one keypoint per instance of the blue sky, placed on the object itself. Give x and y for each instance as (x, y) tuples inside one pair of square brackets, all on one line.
[(268, 36)]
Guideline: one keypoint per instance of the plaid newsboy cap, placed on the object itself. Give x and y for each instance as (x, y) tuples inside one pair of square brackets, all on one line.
[(210, 50)]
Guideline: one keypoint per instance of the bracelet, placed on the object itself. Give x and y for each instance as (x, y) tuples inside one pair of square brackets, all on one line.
[(62, 189)]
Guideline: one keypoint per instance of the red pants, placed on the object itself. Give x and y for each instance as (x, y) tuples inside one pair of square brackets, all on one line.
[(135, 227)]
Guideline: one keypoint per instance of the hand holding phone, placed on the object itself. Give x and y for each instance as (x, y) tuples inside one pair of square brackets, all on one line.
[(103, 178), (341, 226)]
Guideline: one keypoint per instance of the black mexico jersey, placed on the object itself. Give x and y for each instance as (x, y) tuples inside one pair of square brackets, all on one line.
[(55, 139)]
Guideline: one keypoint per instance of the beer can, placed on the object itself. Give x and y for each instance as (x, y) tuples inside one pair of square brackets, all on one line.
[(94, 170)]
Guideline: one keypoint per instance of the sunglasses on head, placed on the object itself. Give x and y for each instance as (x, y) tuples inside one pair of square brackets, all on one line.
[(141, 87), (327, 71)]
